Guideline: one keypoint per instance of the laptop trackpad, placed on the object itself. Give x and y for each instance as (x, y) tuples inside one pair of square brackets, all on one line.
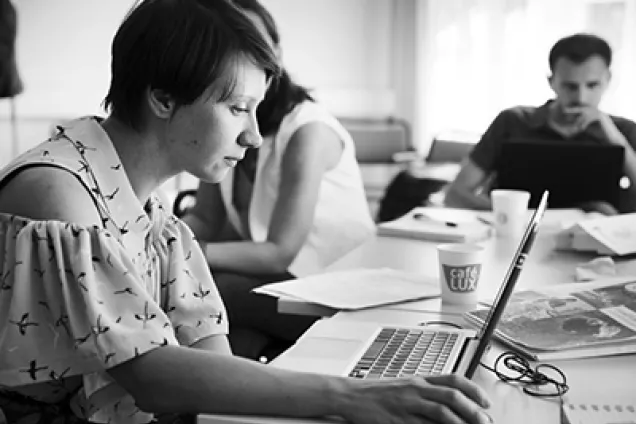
[(326, 348), (321, 355)]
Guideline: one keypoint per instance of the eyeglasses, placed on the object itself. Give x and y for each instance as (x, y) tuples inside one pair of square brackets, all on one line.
[(544, 380)]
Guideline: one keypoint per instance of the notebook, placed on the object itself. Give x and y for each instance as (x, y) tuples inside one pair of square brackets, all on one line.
[(445, 225), (605, 235), (573, 172)]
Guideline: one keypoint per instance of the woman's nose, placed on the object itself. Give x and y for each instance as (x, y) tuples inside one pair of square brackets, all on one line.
[(250, 139)]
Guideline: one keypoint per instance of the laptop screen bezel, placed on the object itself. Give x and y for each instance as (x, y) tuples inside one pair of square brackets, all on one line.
[(507, 287)]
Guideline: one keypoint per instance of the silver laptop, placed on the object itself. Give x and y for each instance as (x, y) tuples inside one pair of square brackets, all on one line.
[(371, 351)]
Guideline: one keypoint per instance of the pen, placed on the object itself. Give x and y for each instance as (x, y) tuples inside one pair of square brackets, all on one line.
[(420, 216), (484, 220)]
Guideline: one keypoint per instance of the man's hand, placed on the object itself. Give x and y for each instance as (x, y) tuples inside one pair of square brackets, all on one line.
[(586, 115), (582, 116)]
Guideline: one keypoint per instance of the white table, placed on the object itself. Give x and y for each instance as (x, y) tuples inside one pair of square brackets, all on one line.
[(603, 378), (545, 265), (613, 377), (594, 378)]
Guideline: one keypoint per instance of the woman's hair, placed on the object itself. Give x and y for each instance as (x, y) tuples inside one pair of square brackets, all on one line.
[(182, 47), (283, 94)]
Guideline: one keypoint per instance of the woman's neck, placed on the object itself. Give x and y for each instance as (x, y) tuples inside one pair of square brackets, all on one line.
[(141, 156)]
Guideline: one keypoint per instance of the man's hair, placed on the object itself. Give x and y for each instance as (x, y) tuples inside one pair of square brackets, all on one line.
[(283, 93), (580, 47), (182, 47)]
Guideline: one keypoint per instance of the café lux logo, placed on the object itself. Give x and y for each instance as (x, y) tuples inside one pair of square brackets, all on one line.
[(462, 278)]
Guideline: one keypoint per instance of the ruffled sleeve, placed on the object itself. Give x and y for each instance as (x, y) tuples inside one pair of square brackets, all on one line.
[(72, 302), (189, 295)]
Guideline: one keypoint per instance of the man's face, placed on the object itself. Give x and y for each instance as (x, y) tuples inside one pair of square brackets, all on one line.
[(209, 137), (579, 84)]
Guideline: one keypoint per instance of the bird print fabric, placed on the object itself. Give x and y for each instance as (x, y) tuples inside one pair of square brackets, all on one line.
[(76, 300)]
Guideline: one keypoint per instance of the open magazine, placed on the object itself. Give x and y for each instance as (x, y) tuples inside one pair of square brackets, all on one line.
[(574, 320)]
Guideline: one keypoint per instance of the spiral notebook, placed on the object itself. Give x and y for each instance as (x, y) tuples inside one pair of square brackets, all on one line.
[(598, 413)]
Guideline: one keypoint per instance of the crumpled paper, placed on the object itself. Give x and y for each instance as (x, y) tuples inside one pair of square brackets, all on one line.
[(600, 267)]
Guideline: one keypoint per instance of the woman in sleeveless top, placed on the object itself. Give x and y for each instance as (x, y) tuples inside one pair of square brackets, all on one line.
[(108, 311), (289, 209)]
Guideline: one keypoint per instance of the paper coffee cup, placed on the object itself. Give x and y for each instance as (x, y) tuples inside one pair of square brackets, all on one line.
[(460, 267), (510, 211)]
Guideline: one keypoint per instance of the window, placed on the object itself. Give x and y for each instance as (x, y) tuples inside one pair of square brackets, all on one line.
[(482, 56)]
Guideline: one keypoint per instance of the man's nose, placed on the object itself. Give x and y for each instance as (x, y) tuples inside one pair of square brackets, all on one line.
[(581, 96)]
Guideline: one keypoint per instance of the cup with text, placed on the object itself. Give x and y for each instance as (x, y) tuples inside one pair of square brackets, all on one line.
[(460, 267)]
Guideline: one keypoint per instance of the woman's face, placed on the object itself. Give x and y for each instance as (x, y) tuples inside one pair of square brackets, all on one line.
[(208, 137)]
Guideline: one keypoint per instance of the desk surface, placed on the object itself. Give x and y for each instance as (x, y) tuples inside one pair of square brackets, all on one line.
[(545, 265), (611, 378)]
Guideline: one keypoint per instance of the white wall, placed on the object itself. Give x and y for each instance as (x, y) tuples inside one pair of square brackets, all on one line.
[(63, 54), (342, 49)]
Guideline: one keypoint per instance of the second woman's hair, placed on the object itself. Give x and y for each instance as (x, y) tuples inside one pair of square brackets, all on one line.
[(283, 93)]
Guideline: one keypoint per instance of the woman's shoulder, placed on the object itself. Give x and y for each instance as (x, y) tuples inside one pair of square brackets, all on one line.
[(48, 193), (307, 109), (309, 112)]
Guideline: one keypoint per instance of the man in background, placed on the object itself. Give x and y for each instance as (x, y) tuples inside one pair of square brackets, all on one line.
[(580, 74)]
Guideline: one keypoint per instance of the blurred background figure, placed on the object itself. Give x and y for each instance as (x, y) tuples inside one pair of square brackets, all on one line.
[(10, 82)]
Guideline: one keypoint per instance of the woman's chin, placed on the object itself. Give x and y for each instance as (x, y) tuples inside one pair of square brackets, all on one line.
[(215, 176)]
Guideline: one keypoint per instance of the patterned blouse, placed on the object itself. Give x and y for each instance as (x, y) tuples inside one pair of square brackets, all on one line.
[(76, 300)]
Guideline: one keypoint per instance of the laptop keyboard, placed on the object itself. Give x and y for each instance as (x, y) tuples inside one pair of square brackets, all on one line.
[(400, 352)]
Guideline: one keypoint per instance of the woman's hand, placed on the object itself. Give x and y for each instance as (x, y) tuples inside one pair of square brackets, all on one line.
[(448, 399)]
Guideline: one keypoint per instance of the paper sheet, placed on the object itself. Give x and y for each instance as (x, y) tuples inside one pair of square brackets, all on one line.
[(356, 288)]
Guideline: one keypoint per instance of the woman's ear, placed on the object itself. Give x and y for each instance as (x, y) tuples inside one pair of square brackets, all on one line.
[(161, 103)]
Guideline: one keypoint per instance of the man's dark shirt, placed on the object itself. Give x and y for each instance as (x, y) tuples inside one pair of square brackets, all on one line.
[(531, 123)]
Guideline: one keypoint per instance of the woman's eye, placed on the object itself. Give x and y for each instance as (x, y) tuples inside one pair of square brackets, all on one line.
[(237, 110)]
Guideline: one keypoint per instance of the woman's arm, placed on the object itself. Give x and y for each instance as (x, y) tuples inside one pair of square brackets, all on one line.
[(312, 150), (182, 380)]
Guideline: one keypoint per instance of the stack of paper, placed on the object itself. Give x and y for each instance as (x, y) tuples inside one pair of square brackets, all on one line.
[(439, 224), (607, 235), (356, 288)]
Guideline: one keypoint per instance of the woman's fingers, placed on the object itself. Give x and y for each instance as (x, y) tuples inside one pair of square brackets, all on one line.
[(454, 399), (466, 386), (449, 406)]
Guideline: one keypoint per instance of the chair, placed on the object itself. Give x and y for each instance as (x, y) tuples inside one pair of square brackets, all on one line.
[(423, 179)]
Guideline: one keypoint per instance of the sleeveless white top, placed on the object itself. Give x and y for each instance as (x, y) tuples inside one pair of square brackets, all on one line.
[(342, 219)]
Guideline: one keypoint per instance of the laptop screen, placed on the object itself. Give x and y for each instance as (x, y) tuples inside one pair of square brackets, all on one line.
[(573, 172), (508, 286)]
